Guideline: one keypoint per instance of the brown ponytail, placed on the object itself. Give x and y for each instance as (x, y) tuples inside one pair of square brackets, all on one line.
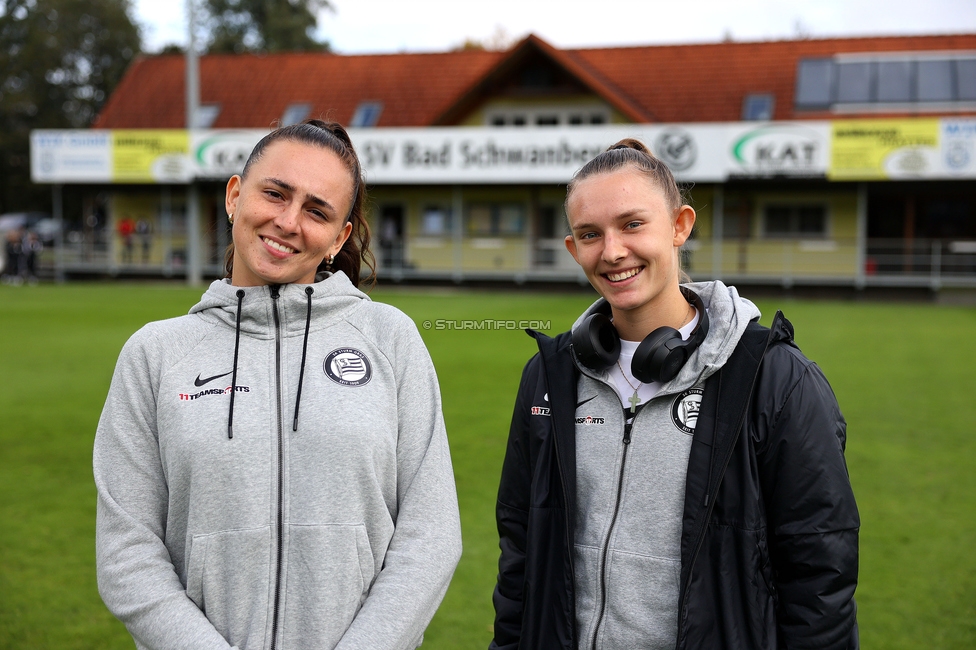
[(332, 136)]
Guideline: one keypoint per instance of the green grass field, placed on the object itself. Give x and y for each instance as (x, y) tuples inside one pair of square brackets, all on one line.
[(903, 374)]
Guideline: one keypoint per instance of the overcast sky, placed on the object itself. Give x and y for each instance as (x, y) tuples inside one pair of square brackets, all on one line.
[(368, 26)]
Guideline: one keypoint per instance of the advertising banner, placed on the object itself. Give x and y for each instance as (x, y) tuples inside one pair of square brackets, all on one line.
[(60, 156), (218, 154), (704, 153), (151, 156), (527, 155), (773, 149), (880, 149), (959, 148)]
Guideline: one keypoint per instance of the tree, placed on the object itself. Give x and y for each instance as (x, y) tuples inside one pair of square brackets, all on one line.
[(263, 25), (59, 60)]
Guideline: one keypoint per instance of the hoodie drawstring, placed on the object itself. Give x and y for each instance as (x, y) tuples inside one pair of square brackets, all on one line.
[(301, 372), (233, 383)]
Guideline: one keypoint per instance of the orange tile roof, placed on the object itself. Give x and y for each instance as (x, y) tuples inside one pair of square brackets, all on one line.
[(667, 83), (708, 82), (253, 90)]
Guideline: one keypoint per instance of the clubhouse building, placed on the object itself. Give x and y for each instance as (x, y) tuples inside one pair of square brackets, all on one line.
[(846, 162)]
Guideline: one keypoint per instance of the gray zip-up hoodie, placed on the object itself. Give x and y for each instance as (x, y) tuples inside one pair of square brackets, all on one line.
[(340, 533), (630, 496)]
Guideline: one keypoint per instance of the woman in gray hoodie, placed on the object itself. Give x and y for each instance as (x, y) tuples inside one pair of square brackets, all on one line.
[(272, 468)]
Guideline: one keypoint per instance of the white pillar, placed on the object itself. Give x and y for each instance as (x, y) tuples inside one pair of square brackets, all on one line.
[(194, 265)]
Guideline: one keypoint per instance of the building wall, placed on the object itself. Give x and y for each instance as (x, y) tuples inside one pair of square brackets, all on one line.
[(432, 241), (751, 252)]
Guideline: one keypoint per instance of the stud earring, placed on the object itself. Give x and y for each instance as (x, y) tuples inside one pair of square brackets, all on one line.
[(230, 218)]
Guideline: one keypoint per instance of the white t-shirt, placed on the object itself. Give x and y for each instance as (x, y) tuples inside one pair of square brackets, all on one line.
[(620, 379)]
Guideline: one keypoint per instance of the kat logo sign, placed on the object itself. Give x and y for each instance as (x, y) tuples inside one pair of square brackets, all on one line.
[(781, 150)]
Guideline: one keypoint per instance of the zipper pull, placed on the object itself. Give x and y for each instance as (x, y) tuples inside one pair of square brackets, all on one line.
[(627, 428), (274, 291)]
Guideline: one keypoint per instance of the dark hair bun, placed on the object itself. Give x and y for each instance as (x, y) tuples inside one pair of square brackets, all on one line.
[(631, 143)]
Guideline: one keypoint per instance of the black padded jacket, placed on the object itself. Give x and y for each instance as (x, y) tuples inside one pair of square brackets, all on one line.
[(769, 543)]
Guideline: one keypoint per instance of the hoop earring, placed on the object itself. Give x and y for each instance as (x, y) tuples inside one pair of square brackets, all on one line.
[(230, 218)]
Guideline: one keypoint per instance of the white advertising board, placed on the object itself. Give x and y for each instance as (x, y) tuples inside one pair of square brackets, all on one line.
[(704, 153), (71, 156), (474, 155)]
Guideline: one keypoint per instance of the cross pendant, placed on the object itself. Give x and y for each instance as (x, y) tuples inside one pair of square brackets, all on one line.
[(633, 399)]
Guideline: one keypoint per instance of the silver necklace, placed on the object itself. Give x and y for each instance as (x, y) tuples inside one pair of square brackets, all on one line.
[(634, 399)]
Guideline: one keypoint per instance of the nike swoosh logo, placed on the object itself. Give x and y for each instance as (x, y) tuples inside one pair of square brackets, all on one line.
[(579, 404), (201, 382)]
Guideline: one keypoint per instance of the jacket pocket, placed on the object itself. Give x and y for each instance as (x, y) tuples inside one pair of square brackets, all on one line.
[(641, 601), (229, 579), (329, 572)]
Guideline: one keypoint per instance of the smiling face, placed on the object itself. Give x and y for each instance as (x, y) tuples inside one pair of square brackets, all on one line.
[(289, 214), (626, 239)]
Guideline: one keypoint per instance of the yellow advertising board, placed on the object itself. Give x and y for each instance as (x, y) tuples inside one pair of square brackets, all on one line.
[(880, 149), (150, 156)]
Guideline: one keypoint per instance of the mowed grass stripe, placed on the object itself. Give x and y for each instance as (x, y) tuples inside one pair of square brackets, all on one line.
[(902, 374)]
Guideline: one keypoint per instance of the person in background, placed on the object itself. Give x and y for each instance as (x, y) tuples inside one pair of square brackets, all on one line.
[(13, 252), (272, 469), (675, 473), (31, 248)]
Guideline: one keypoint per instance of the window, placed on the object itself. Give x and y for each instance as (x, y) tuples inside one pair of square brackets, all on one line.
[(552, 222), (895, 81), (494, 219), (206, 115), (900, 79), (367, 114), (934, 81), (546, 116), (966, 77), (814, 83), (757, 107), (435, 221), (795, 221), (295, 113), (854, 82)]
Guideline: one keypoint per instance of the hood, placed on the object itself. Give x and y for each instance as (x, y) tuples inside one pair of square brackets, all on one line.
[(333, 298), (728, 315), (301, 308)]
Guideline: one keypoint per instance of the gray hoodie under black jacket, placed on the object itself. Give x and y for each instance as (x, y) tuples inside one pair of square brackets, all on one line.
[(724, 518), (325, 517), (630, 497)]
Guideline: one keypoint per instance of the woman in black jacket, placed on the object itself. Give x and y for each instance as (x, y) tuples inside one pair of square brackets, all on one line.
[(675, 473)]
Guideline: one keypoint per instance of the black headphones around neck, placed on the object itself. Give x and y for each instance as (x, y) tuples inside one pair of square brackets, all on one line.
[(659, 356)]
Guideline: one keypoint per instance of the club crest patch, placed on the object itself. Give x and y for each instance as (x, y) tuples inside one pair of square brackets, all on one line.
[(348, 367), (685, 408)]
